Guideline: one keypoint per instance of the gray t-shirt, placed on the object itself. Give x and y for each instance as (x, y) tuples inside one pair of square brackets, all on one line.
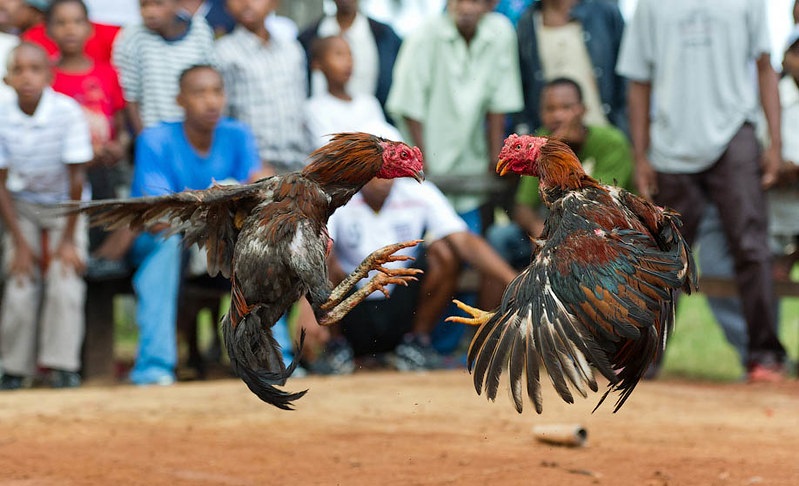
[(699, 56)]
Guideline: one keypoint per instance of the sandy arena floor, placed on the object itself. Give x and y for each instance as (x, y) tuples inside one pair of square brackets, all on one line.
[(384, 428)]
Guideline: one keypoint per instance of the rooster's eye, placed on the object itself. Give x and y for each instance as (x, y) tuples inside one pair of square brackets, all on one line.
[(404, 155), (518, 146)]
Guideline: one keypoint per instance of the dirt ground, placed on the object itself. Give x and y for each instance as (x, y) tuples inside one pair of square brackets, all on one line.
[(388, 428)]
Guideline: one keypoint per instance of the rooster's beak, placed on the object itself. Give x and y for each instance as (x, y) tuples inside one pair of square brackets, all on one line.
[(419, 176), (502, 167)]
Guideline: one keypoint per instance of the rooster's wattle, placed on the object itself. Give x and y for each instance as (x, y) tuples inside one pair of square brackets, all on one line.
[(600, 289)]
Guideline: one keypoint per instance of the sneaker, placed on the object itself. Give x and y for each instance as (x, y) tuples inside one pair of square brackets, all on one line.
[(415, 353), (64, 379), (336, 359), (761, 373), (11, 382)]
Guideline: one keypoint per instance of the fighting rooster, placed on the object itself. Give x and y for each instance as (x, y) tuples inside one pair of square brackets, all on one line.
[(270, 239), (599, 291)]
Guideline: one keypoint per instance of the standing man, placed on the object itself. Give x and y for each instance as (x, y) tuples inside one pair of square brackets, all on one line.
[(456, 78), (700, 146)]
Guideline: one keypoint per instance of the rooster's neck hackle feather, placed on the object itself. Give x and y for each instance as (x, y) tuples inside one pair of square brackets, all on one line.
[(561, 171), (364, 156)]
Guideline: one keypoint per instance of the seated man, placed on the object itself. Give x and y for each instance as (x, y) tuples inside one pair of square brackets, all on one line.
[(384, 212), (603, 150), (171, 157)]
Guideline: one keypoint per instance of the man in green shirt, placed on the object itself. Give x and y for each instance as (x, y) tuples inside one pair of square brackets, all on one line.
[(603, 150), (455, 79)]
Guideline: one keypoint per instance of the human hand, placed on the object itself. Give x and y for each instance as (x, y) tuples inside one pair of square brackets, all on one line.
[(571, 130), (67, 253), (645, 178), (111, 153), (23, 262), (771, 163), (115, 245)]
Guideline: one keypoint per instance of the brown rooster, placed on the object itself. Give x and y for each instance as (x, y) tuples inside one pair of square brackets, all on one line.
[(599, 291), (270, 239)]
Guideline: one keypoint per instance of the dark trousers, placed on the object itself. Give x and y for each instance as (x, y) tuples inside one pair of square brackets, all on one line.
[(733, 184)]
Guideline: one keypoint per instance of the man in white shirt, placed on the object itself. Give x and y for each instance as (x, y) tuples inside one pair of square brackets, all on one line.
[(694, 60), (384, 212)]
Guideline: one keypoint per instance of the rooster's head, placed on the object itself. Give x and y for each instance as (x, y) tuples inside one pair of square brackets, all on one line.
[(521, 154), (400, 160)]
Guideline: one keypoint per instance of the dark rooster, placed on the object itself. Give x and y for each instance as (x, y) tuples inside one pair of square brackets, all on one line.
[(599, 291), (270, 239)]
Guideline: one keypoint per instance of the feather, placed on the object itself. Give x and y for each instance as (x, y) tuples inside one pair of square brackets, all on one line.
[(599, 291)]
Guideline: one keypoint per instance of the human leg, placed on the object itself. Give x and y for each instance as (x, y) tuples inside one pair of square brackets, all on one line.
[(512, 244), (19, 312), (155, 283), (734, 185), (63, 308), (715, 261)]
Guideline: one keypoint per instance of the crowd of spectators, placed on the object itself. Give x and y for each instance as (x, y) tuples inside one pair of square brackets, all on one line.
[(169, 95)]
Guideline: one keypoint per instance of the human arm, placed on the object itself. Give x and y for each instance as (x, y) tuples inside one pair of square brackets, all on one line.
[(495, 131), (67, 252), (473, 249), (416, 131), (134, 117), (23, 261), (770, 100), (644, 175), (528, 220), (525, 212)]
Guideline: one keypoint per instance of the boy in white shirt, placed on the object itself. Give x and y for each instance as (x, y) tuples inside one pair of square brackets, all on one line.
[(44, 141), (335, 110)]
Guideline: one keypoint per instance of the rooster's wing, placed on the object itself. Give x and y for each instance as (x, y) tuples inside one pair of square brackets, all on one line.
[(211, 217), (585, 297)]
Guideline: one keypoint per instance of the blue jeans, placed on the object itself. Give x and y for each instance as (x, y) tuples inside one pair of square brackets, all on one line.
[(156, 282), (715, 260), (511, 243)]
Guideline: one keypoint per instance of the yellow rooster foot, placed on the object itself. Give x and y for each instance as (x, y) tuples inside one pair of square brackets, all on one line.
[(479, 317)]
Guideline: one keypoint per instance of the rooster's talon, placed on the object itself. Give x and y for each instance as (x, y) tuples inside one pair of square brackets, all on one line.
[(478, 316)]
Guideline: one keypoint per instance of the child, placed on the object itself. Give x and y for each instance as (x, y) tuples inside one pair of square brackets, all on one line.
[(151, 56), (95, 86), (266, 83), (336, 110), (44, 140)]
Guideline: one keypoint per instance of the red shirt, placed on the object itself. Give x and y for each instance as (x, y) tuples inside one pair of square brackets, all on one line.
[(98, 45), (98, 93)]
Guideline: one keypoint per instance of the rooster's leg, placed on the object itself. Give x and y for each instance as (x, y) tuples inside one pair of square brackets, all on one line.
[(374, 261), (399, 276), (479, 317)]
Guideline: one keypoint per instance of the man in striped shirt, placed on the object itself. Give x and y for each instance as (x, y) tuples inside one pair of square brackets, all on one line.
[(150, 57), (265, 77)]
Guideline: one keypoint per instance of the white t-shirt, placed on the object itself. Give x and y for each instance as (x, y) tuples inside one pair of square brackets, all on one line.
[(36, 148), (699, 58), (325, 114), (411, 211)]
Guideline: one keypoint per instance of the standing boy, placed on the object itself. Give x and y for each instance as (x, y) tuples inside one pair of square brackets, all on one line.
[(266, 81), (150, 57), (337, 110), (44, 140)]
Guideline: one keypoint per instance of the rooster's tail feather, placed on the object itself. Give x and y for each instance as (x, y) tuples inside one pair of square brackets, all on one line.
[(255, 358)]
